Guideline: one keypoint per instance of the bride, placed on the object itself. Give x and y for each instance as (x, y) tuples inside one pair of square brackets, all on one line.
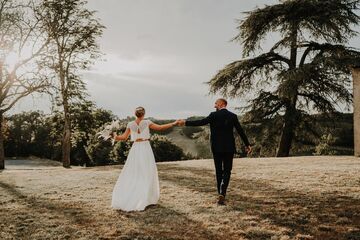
[(138, 183)]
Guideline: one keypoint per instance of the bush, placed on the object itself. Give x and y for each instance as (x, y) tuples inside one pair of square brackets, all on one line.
[(204, 151), (165, 150), (102, 152), (190, 131), (98, 151), (120, 151), (324, 146)]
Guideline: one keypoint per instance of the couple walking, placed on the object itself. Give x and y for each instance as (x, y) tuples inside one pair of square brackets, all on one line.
[(138, 183)]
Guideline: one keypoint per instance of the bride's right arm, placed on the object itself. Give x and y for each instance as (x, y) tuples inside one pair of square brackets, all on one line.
[(162, 127), (123, 136)]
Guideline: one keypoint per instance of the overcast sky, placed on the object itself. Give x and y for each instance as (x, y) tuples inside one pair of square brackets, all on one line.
[(159, 54)]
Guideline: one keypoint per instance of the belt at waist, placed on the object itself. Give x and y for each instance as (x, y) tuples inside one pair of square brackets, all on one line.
[(141, 140)]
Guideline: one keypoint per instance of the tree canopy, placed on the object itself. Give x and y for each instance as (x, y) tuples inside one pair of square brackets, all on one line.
[(306, 70)]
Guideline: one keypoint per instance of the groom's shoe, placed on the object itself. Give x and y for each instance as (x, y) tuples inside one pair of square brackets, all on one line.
[(221, 200)]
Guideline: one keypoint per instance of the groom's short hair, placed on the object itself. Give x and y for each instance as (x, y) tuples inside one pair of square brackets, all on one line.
[(223, 100)]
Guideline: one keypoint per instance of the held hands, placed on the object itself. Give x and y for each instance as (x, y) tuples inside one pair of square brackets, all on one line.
[(179, 122)]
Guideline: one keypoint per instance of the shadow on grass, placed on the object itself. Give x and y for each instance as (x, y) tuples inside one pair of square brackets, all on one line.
[(157, 222), (323, 217), (160, 222), (38, 207)]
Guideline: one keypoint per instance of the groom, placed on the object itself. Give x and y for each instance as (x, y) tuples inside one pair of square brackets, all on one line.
[(222, 123)]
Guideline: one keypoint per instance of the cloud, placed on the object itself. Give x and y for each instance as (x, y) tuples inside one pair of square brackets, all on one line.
[(159, 54), (123, 94)]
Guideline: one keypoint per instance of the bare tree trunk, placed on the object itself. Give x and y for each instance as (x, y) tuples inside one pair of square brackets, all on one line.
[(288, 132), (2, 152), (66, 143), (356, 101), (290, 117)]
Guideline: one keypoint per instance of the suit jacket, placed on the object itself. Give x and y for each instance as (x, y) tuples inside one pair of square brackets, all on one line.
[(222, 124)]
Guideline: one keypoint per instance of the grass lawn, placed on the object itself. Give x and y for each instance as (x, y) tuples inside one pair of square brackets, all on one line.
[(268, 198)]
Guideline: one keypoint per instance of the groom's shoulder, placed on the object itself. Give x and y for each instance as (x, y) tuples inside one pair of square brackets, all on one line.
[(231, 114), (213, 113), (226, 112)]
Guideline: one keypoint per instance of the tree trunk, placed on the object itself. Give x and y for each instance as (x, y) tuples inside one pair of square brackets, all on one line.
[(356, 101), (2, 152), (66, 143), (290, 117), (288, 132)]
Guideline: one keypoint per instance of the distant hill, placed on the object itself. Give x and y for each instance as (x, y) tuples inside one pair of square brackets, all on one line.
[(316, 135)]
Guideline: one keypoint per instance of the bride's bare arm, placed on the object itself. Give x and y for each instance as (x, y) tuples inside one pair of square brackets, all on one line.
[(158, 127), (123, 136)]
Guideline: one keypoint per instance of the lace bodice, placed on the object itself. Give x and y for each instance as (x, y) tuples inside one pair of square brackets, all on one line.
[(139, 131)]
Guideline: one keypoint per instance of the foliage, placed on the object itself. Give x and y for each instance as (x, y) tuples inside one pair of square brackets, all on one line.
[(35, 133), (324, 146), (22, 43), (38, 134), (120, 151), (27, 135), (191, 131), (165, 150), (203, 151), (99, 152), (86, 118)]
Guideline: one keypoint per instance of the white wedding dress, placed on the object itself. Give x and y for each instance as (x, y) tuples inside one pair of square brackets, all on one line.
[(138, 183)]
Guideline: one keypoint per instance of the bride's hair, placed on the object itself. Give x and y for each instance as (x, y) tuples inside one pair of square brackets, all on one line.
[(139, 112)]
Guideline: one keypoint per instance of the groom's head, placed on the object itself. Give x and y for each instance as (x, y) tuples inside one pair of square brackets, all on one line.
[(220, 103)]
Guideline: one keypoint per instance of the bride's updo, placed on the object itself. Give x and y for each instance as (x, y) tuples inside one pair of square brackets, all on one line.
[(139, 112)]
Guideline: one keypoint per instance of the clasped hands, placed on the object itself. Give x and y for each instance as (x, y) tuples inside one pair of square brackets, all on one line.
[(180, 122)]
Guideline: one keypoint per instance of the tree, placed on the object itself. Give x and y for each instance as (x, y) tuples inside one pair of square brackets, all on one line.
[(313, 76), (38, 134), (21, 46), (165, 150), (86, 119), (73, 30), (25, 134)]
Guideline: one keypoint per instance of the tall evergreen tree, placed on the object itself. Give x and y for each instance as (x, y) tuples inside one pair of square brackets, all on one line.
[(306, 70)]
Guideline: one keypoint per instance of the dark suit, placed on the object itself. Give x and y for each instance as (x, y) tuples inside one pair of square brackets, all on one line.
[(222, 124)]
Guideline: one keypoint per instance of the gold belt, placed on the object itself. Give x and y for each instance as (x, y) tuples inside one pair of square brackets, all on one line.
[(141, 140)]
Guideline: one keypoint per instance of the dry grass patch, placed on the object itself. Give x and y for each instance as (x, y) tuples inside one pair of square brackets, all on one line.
[(289, 198)]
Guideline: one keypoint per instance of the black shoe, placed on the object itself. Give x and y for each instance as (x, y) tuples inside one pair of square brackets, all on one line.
[(221, 200)]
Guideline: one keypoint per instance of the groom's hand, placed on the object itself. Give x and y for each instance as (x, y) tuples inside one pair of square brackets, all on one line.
[(181, 122), (248, 149)]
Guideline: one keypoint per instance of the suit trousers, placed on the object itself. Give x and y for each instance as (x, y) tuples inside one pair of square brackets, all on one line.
[(223, 166)]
